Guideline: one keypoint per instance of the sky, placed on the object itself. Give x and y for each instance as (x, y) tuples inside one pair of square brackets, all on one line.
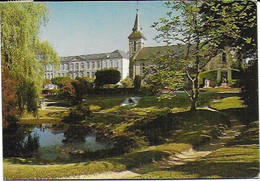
[(77, 28)]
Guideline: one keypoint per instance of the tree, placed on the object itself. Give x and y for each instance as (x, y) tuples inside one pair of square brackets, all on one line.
[(137, 81), (232, 23), (193, 53), (23, 54), (60, 81), (107, 76), (235, 23)]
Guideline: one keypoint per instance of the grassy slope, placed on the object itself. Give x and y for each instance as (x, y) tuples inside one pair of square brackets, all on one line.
[(17, 169), (232, 162)]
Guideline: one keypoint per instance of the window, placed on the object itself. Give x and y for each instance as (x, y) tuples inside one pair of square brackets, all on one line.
[(88, 74), (116, 64), (105, 66), (224, 57), (82, 74), (51, 75), (111, 63), (93, 65), (134, 46), (143, 68), (77, 66), (93, 74), (67, 66), (72, 66), (63, 66), (48, 76), (87, 65), (82, 66), (98, 65)]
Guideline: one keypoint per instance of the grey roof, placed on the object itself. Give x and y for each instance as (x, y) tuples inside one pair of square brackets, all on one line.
[(148, 52), (111, 55)]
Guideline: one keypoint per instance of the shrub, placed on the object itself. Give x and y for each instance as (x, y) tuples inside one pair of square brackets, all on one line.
[(107, 76), (212, 83), (77, 114), (127, 82), (60, 81), (147, 90), (137, 81)]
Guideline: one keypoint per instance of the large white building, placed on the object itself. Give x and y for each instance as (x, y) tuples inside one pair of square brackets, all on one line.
[(87, 65)]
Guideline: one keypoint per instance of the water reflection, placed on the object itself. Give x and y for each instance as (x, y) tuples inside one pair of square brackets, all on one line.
[(49, 141)]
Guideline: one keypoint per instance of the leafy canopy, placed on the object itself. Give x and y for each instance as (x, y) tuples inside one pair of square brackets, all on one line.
[(22, 51)]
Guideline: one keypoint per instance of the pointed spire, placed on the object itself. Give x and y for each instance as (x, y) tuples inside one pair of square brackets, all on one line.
[(137, 24)]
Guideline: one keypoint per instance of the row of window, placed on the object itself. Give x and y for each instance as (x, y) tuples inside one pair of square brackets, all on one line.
[(81, 66), (72, 75)]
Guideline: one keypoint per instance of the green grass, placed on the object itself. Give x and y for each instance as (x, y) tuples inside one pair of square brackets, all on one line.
[(227, 103), (104, 102), (223, 90), (250, 135), (51, 114), (16, 170), (181, 100), (233, 162)]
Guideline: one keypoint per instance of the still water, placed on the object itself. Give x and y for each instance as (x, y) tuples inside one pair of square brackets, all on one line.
[(50, 141)]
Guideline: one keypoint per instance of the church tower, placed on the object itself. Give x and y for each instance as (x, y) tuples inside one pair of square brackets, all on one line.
[(136, 42)]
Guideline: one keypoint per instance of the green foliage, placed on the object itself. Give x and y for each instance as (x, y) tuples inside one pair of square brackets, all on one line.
[(231, 23), (127, 82), (27, 97), (212, 75), (194, 48), (60, 81), (22, 51), (46, 81), (107, 76), (249, 86), (77, 114), (137, 81)]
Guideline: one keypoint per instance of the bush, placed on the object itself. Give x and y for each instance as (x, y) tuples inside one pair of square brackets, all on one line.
[(77, 114), (137, 81), (127, 82), (147, 90), (107, 76), (212, 83), (60, 81)]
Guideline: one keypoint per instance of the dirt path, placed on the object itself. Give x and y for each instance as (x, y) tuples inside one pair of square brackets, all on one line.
[(183, 158), (105, 175)]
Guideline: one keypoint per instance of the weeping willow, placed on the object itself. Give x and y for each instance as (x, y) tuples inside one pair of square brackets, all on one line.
[(22, 52)]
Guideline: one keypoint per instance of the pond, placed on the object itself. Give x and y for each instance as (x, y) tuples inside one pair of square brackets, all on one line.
[(50, 141)]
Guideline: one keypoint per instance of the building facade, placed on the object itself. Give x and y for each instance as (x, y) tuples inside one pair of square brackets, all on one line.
[(87, 65)]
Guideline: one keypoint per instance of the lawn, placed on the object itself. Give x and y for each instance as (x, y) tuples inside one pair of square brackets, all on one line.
[(231, 162), (227, 103), (21, 169), (167, 125)]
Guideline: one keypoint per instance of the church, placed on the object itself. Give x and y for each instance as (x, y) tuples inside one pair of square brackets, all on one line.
[(222, 70)]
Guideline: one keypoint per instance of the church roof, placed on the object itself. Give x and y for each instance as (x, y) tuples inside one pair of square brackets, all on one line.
[(137, 33), (110, 55), (149, 52), (134, 35)]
